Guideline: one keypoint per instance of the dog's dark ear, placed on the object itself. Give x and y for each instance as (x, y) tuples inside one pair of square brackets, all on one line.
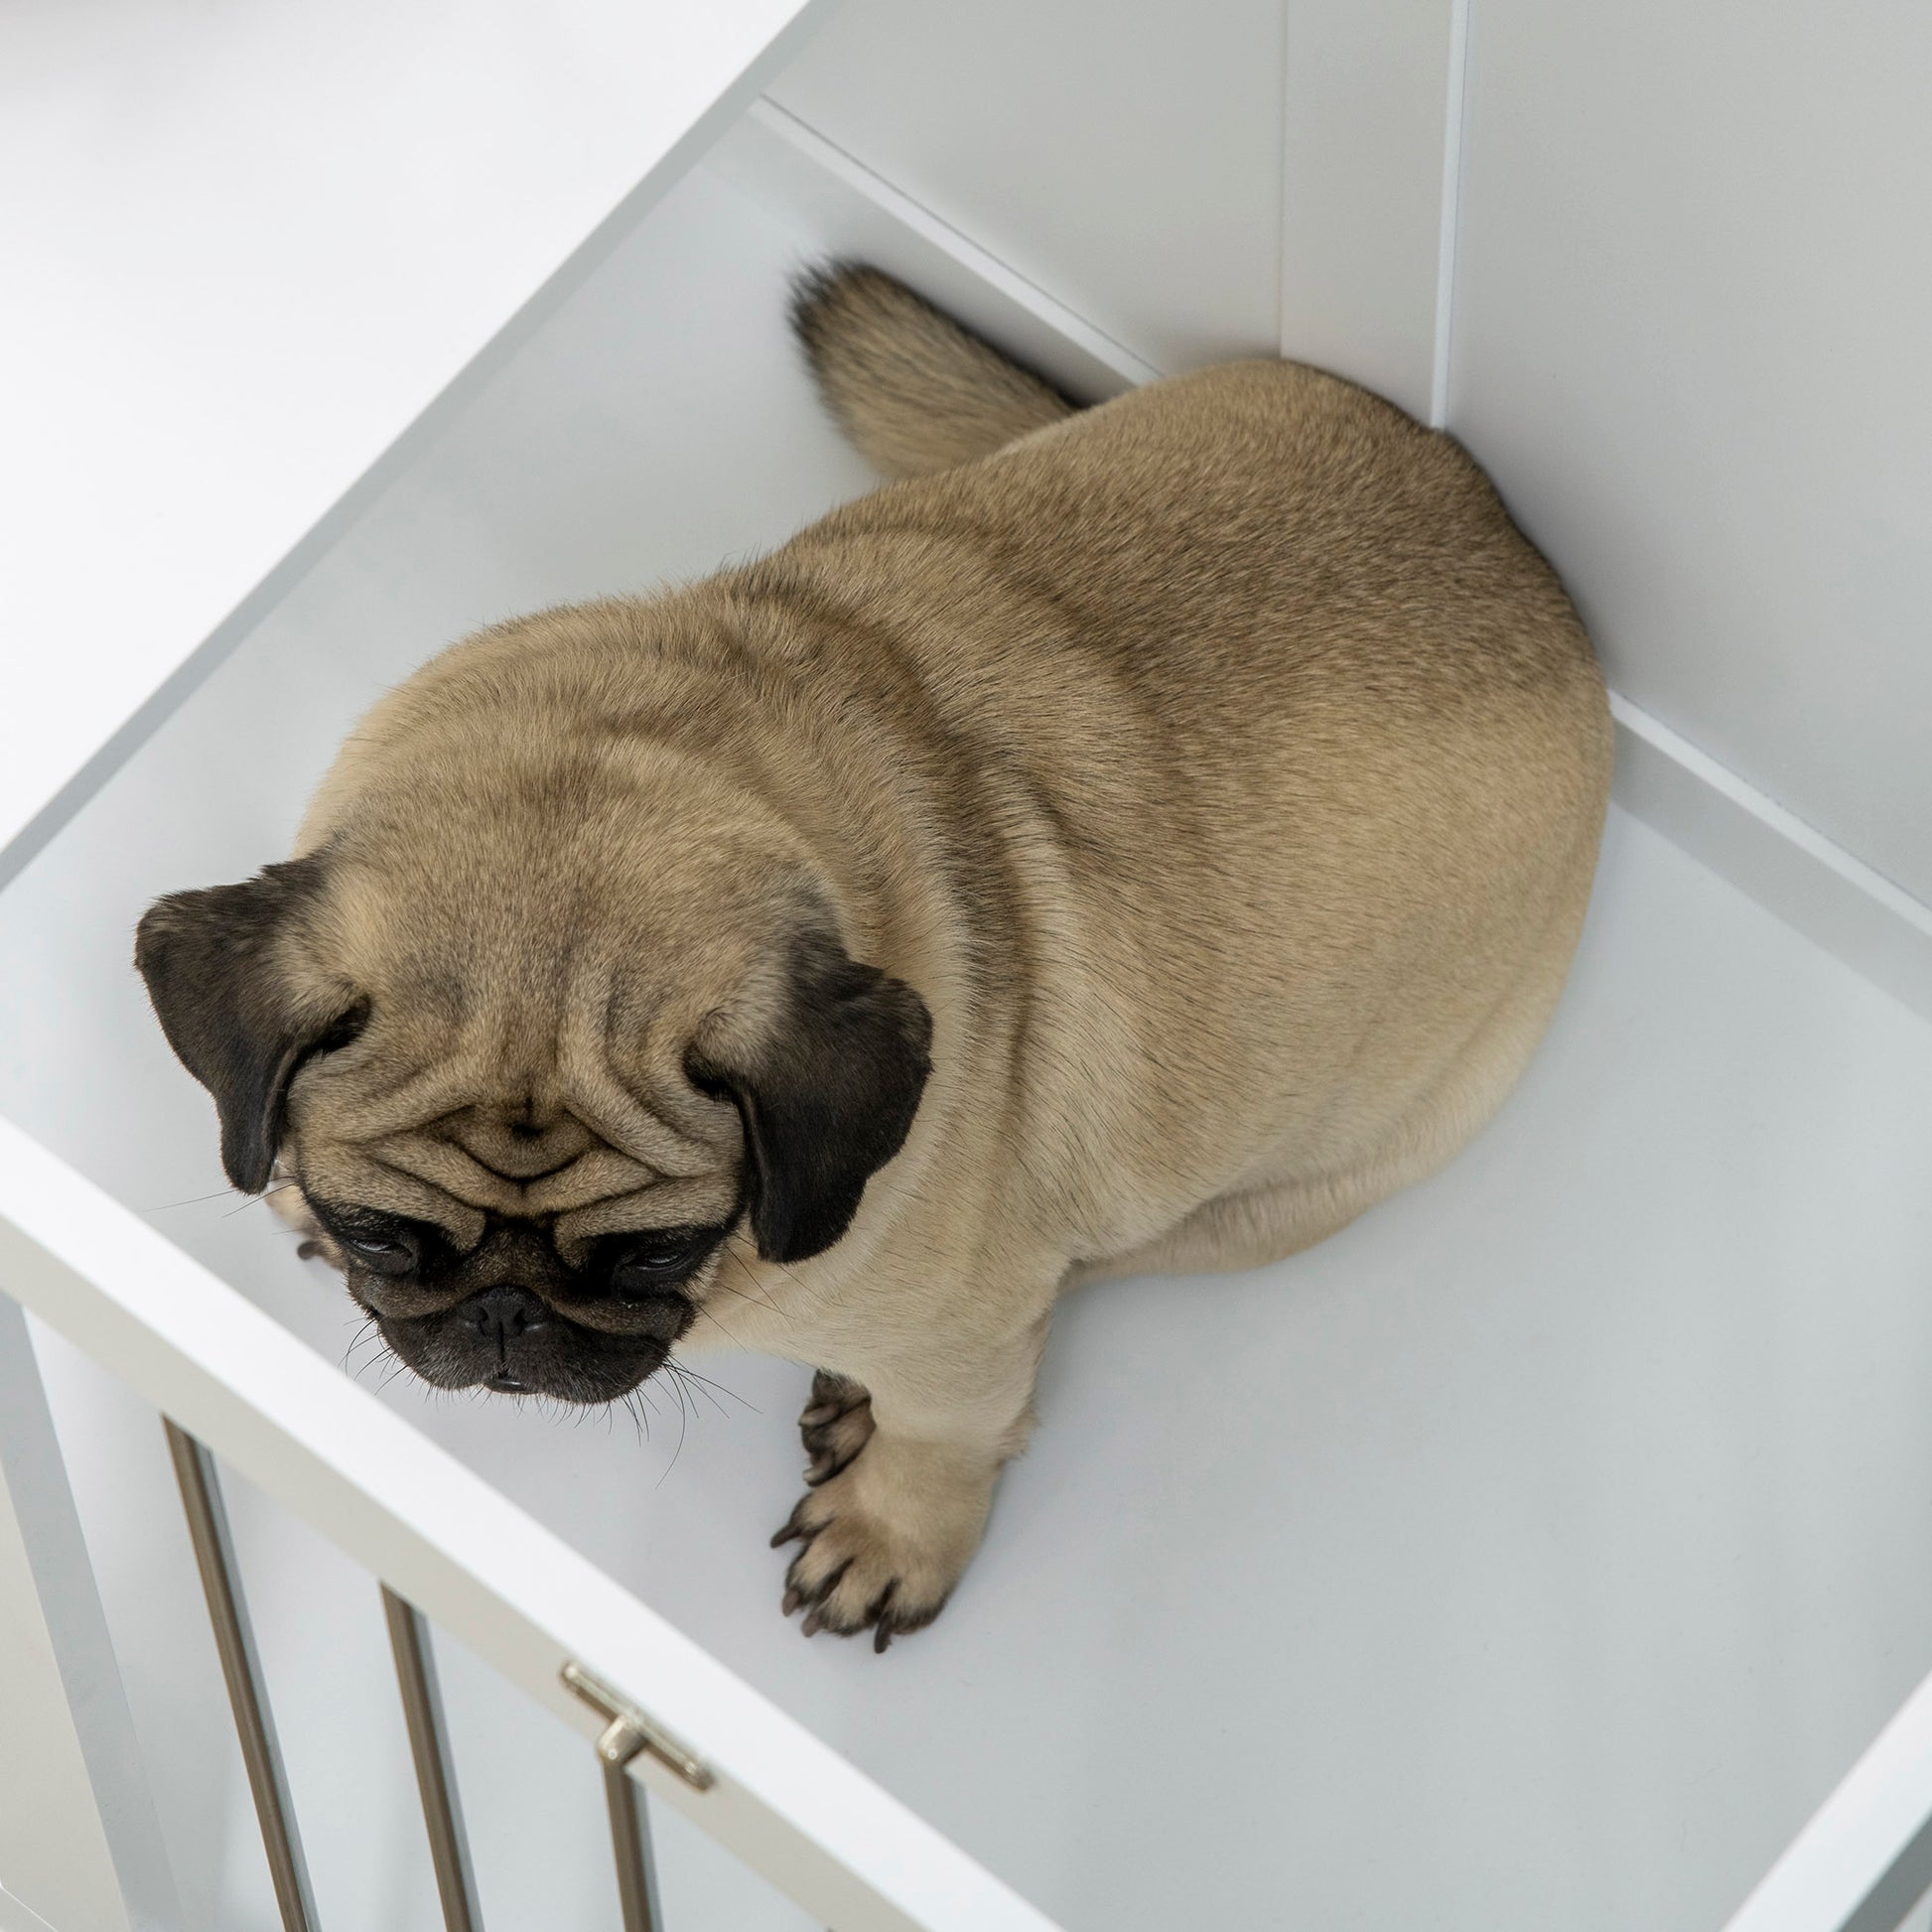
[(827, 1095), (221, 992)]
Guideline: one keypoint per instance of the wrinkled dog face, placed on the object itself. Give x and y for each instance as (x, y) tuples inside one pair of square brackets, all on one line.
[(514, 1315), (527, 1143)]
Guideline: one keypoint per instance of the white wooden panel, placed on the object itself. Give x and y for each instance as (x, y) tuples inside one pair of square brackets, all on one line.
[(245, 248), (1373, 103), (1863, 1860), (1880, 931), (79, 1845), (1126, 158), (130, 1508), (840, 207), (54, 1855), (17, 1916), (1690, 342)]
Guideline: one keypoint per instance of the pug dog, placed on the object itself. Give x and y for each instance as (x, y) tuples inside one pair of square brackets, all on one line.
[(1137, 839)]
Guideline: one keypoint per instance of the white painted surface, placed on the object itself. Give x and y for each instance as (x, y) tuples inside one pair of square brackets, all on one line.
[(1368, 135), (1696, 266), (855, 215), (1869, 1825), (15, 1916), (245, 248), (80, 1838), (1787, 866), (55, 1859), (1561, 1523), (1126, 158)]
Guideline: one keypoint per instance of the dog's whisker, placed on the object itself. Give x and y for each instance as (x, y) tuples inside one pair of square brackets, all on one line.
[(365, 1334), (720, 1326), (762, 1300), (251, 1200), (679, 1384), (168, 1207), (757, 1300), (682, 1426), (705, 1382), (781, 1268), (678, 1381)]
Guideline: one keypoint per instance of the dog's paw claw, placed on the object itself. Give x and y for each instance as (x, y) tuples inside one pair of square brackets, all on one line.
[(855, 1574), (835, 1426), (883, 1543)]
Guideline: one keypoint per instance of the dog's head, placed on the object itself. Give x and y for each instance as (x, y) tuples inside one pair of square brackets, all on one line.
[(535, 1041)]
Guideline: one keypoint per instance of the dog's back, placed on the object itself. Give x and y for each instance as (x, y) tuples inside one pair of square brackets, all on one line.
[(1271, 659)]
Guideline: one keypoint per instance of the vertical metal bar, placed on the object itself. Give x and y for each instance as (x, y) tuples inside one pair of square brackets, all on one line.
[(208, 1526), (627, 1733), (429, 1745), (630, 1841)]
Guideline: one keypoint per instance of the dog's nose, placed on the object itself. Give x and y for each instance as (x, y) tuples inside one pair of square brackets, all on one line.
[(500, 1315)]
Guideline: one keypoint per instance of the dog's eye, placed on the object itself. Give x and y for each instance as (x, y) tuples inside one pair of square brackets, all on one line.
[(656, 1262), (383, 1256)]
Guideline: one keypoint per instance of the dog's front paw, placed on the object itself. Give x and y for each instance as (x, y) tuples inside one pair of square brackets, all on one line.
[(885, 1539)]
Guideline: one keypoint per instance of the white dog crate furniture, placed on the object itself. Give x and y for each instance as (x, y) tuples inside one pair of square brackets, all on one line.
[(1552, 1549)]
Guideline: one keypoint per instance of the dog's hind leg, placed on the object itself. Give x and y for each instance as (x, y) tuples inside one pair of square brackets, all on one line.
[(1244, 1229), (1271, 1220)]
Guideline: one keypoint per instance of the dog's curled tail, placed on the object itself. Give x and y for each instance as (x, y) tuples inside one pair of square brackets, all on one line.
[(913, 390)]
